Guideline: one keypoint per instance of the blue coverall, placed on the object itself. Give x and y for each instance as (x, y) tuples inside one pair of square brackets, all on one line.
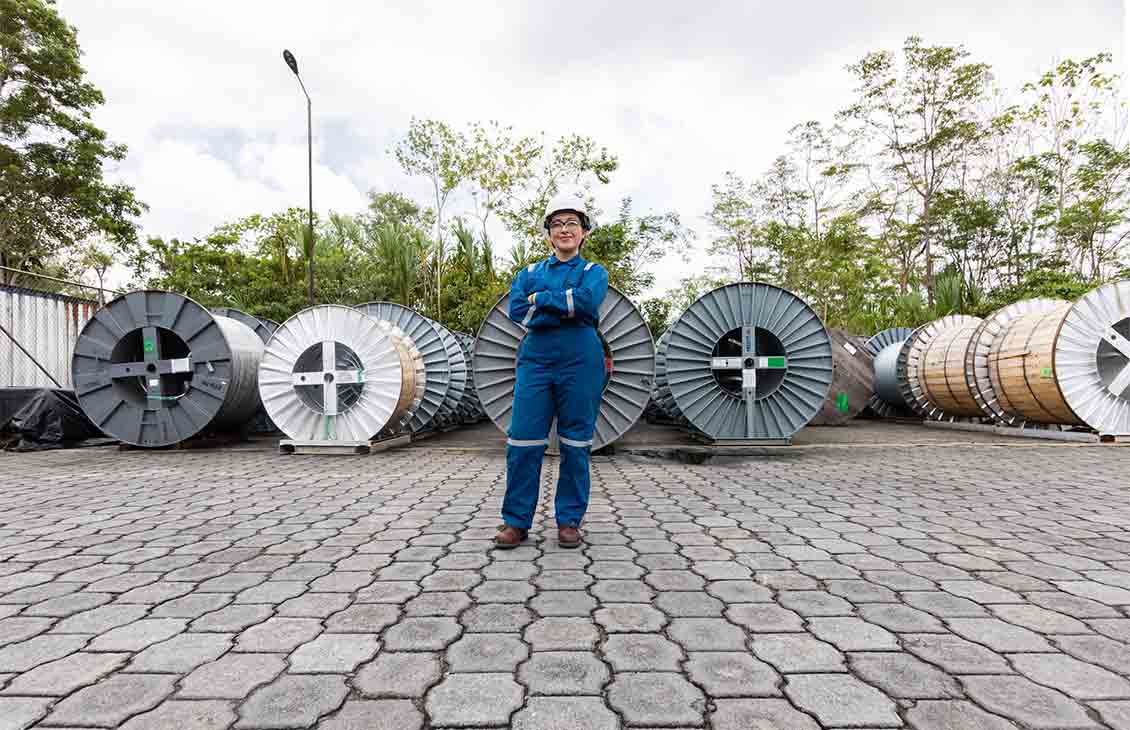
[(560, 373)]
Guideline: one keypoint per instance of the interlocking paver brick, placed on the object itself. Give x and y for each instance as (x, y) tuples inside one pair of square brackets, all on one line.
[(903, 676), (954, 654), (622, 591), (18, 713), (334, 653), (798, 653), (503, 591), (675, 580), (99, 620), (1022, 700), (689, 604), (656, 698), (814, 603), (1115, 713), (185, 715), (386, 592), (292, 701), (496, 617), (642, 653), (852, 634), (771, 714), (314, 605), (614, 570), (707, 634), (63, 676), (407, 674), (463, 700), (1082, 608), (139, 634), (954, 715), (24, 655), (732, 674), (232, 676), (564, 673), (375, 715), (437, 604), (565, 713), (232, 618), (1100, 650), (998, 635), (192, 606), (486, 653), (841, 699), (1072, 676), (111, 702), (278, 634), (182, 653), (760, 618), (67, 605), (739, 591), (422, 634), (20, 628)]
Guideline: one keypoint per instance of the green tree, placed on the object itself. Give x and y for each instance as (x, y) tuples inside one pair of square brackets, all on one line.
[(925, 121), (52, 156), (628, 246)]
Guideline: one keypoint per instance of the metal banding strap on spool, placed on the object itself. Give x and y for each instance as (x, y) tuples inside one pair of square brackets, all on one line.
[(628, 346), (154, 368), (887, 400), (331, 373), (749, 361), (912, 365), (428, 340), (1092, 358), (977, 357)]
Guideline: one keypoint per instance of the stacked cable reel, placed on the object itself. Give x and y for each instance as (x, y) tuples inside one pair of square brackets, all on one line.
[(931, 369), (853, 378), (629, 366), (748, 363), (154, 368), (333, 377), (261, 422)]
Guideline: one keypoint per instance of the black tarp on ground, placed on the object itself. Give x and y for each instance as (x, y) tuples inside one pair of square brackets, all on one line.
[(50, 418)]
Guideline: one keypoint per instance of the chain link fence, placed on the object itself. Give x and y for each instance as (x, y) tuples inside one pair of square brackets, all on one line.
[(40, 320)]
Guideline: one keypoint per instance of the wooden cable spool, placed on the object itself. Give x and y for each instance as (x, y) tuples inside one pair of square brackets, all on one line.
[(413, 379), (853, 375), (912, 366), (1022, 368), (943, 371)]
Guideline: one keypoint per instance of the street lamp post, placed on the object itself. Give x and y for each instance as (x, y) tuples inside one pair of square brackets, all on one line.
[(293, 64)]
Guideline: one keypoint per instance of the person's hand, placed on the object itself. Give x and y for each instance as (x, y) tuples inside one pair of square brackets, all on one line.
[(532, 299)]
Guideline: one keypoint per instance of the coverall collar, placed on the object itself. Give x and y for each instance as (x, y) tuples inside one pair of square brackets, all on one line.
[(554, 261)]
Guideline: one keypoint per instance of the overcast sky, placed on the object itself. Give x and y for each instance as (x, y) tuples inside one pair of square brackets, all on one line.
[(680, 91)]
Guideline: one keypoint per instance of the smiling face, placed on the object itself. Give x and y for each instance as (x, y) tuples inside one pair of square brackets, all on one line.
[(566, 234)]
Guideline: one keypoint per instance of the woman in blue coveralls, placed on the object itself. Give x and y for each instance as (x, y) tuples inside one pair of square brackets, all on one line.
[(560, 374)]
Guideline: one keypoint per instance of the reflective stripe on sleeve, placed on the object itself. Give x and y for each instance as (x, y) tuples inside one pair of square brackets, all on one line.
[(569, 301), (529, 315), (531, 267), (577, 444), (589, 265), (528, 442)]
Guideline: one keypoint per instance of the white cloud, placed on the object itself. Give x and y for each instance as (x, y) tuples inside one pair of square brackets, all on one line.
[(681, 92)]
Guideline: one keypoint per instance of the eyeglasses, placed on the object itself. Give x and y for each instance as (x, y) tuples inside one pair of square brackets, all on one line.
[(556, 226)]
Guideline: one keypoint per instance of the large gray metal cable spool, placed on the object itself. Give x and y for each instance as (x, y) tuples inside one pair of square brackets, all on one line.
[(629, 350), (471, 405), (749, 361), (332, 373), (888, 400), (977, 355), (428, 340), (913, 369), (459, 375), (1092, 358), (154, 368), (661, 392)]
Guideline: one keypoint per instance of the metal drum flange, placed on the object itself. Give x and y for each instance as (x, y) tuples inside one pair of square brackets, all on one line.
[(977, 355), (911, 365), (749, 362), (471, 406), (1092, 358), (331, 373), (661, 391), (428, 340), (629, 359), (888, 401), (154, 368), (458, 374)]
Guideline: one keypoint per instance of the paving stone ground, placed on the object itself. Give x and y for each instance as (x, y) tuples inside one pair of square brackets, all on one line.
[(937, 586)]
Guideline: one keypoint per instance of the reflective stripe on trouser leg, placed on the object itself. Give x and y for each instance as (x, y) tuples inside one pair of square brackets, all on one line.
[(526, 442)]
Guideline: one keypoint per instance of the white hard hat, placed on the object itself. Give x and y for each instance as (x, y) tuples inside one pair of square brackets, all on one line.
[(572, 202)]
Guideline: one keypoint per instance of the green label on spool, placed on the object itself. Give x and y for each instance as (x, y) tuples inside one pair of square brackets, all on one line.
[(148, 346), (774, 362), (842, 402), (1045, 372)]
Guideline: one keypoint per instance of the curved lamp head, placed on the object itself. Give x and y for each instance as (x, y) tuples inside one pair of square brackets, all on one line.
[(290, 61)]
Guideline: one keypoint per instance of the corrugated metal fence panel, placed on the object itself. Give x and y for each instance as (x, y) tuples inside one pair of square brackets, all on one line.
[(47, 326)]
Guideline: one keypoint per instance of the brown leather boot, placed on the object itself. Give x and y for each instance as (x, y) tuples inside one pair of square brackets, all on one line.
[(509, 537), (568, 537)]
